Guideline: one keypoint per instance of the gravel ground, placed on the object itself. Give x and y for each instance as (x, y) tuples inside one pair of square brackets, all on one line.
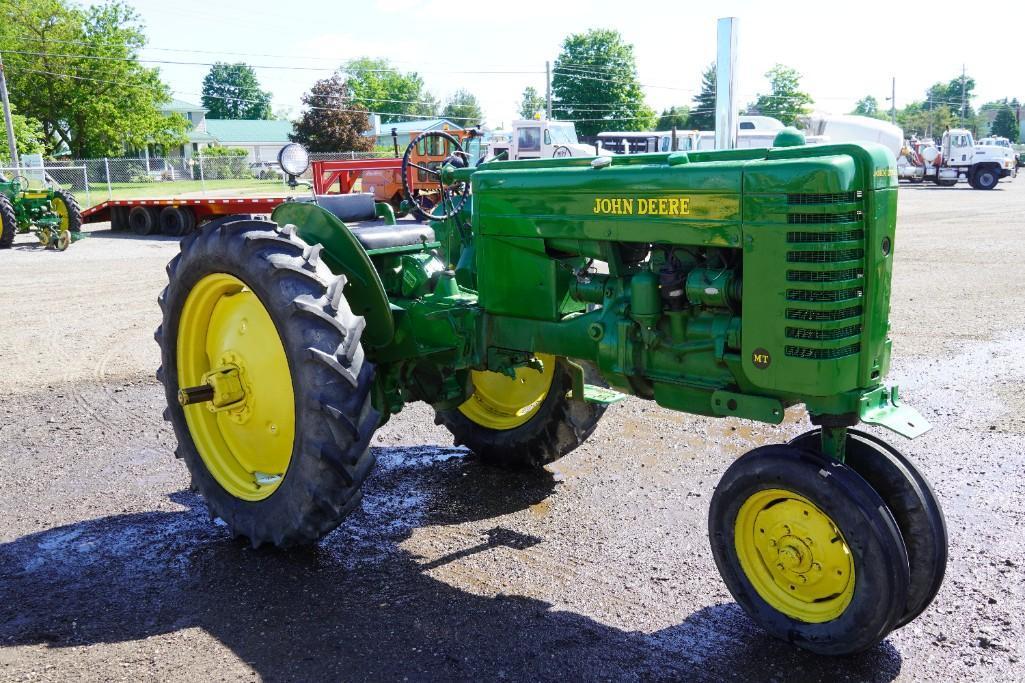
[(597, 568)]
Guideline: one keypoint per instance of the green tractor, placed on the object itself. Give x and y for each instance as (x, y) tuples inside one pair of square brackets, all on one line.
[(53, 215), (733, 284)]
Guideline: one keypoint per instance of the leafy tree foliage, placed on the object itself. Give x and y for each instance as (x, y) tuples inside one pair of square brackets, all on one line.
[(463, 109), (867, 106), (595, 84), (531, 103), (918, 119), (28, 136), (785, 101), (674, 116), (92, 107), (375, 85), (1006, 123), (332, 123), (231, 91), (949, 94), (702, 114)]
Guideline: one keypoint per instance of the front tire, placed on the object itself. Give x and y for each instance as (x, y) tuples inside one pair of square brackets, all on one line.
[(66, 206), (986, 179), (286, 464), (8, 222), (809, 550), (527, 421)]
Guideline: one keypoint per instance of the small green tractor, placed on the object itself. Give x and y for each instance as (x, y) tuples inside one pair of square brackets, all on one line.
[(733, 284), (53, 215)]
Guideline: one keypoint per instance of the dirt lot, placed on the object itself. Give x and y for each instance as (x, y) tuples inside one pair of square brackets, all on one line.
[(599, 568)]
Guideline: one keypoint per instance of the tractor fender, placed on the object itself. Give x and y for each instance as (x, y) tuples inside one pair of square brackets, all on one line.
[(344, 255)]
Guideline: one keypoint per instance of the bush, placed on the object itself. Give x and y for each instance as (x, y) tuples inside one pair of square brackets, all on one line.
[(225, 162)]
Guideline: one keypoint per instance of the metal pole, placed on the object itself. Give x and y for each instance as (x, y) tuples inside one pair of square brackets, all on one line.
[(893, 101), (11, 143), (726, 107), (85, 178), (106, 165), (548, 90), (202, 180)]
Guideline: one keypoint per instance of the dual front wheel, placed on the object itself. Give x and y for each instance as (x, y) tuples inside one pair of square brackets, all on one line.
[(829, 556)]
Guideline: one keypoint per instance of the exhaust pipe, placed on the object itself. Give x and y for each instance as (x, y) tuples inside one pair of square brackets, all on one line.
[(727, 111)]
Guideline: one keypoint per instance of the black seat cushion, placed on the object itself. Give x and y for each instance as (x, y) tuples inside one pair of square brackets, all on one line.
[(349, 207), (385, 236)]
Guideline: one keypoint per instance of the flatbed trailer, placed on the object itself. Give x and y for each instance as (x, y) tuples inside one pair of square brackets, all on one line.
[(175, 215)]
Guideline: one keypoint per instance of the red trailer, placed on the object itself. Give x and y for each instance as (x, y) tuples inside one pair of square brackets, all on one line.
[(174, 216)]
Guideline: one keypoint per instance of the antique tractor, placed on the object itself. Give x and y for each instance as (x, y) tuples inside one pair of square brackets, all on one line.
[(732, 284), (53, 215)]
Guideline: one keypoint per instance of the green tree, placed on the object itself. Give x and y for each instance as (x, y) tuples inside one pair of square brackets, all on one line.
[(231, 91), (867, 106), (531, 103), (79, 76), (1006, 124), (674, 116), (28, 136), (595, 83), (918, 119), (702, 114), (331, 123), (378, 87), (463, 109), (949, 95), (785, 100)]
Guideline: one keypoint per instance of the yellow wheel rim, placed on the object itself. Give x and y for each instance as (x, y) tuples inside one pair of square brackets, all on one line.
[(246, 446), (61, 209), (795, 556), (503, 402)]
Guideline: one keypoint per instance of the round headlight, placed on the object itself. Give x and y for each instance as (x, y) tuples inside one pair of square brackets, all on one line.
[(294, 159)]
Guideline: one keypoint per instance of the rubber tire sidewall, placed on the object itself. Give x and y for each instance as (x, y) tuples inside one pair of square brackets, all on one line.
[(74, 210), (880, 560), (8, 222)]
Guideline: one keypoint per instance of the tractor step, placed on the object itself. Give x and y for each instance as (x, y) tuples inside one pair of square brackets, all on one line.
[(596, 394)]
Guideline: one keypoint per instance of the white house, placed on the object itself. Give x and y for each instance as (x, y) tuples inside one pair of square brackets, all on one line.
[(261, 139)]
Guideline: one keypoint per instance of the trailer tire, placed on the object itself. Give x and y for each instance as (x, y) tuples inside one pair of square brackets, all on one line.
[(8, 222), (118, 218), (293, 298), (557, 426), (143, 220), (176, 221)]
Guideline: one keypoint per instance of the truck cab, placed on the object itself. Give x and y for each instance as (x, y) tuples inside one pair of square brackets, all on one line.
[(540, 139)]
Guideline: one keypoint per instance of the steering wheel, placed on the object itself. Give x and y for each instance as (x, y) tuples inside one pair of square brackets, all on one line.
[(451, 198)]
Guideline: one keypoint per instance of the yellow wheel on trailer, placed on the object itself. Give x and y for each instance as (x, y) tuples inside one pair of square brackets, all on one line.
[(809, 549), (266, 383)]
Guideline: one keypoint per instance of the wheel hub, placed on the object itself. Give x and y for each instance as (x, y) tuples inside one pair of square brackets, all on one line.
[(794, 556)]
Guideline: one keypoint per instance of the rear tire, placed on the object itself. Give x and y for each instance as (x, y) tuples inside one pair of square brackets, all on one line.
[(73, 209), (8, 222), (330, 381), (558, 426)]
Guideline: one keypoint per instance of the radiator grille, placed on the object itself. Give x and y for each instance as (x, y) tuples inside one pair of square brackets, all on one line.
[(825, 275), (823, 218), (837, 198), (822, 354), (824, 316), (845, 236), (824, 295), (823, 335), (825, 256)]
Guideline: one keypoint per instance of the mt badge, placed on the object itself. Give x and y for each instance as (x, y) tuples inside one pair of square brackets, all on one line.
[(641, 206)]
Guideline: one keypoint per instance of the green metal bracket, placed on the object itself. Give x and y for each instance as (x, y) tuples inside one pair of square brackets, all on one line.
[(385, 211), (761, 408), (602, 395), (344, 254), (883, 407)]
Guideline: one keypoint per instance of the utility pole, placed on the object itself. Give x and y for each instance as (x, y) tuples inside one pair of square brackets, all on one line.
[(548, 90), (11, 144), (962, 95), (893, 101)]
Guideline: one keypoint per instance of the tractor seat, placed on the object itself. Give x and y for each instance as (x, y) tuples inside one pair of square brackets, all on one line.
[(373, 234)]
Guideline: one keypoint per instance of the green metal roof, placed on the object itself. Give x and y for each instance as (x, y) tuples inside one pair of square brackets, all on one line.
[(229, 131), (181, 106)]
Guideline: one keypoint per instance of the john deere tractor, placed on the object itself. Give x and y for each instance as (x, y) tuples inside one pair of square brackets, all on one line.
[(734, 284), (53, 215)]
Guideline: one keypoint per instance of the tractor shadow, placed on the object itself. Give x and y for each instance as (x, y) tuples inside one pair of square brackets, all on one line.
[(359, 606)]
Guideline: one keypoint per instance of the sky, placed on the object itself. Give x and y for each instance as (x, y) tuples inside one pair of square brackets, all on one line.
[(844, 50)]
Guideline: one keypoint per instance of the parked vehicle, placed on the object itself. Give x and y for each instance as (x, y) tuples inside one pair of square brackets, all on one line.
[(957, 157), (539, 139), (52, 214)]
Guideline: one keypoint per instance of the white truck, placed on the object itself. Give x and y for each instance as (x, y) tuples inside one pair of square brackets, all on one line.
[(538, 139), (958, 156)]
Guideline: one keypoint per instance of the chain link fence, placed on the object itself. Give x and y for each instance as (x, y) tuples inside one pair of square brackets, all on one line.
[(97, 180)]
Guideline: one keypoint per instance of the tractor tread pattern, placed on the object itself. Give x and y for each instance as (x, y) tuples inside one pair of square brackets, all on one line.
[(332, 387), (8, 222), (74, 210)]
